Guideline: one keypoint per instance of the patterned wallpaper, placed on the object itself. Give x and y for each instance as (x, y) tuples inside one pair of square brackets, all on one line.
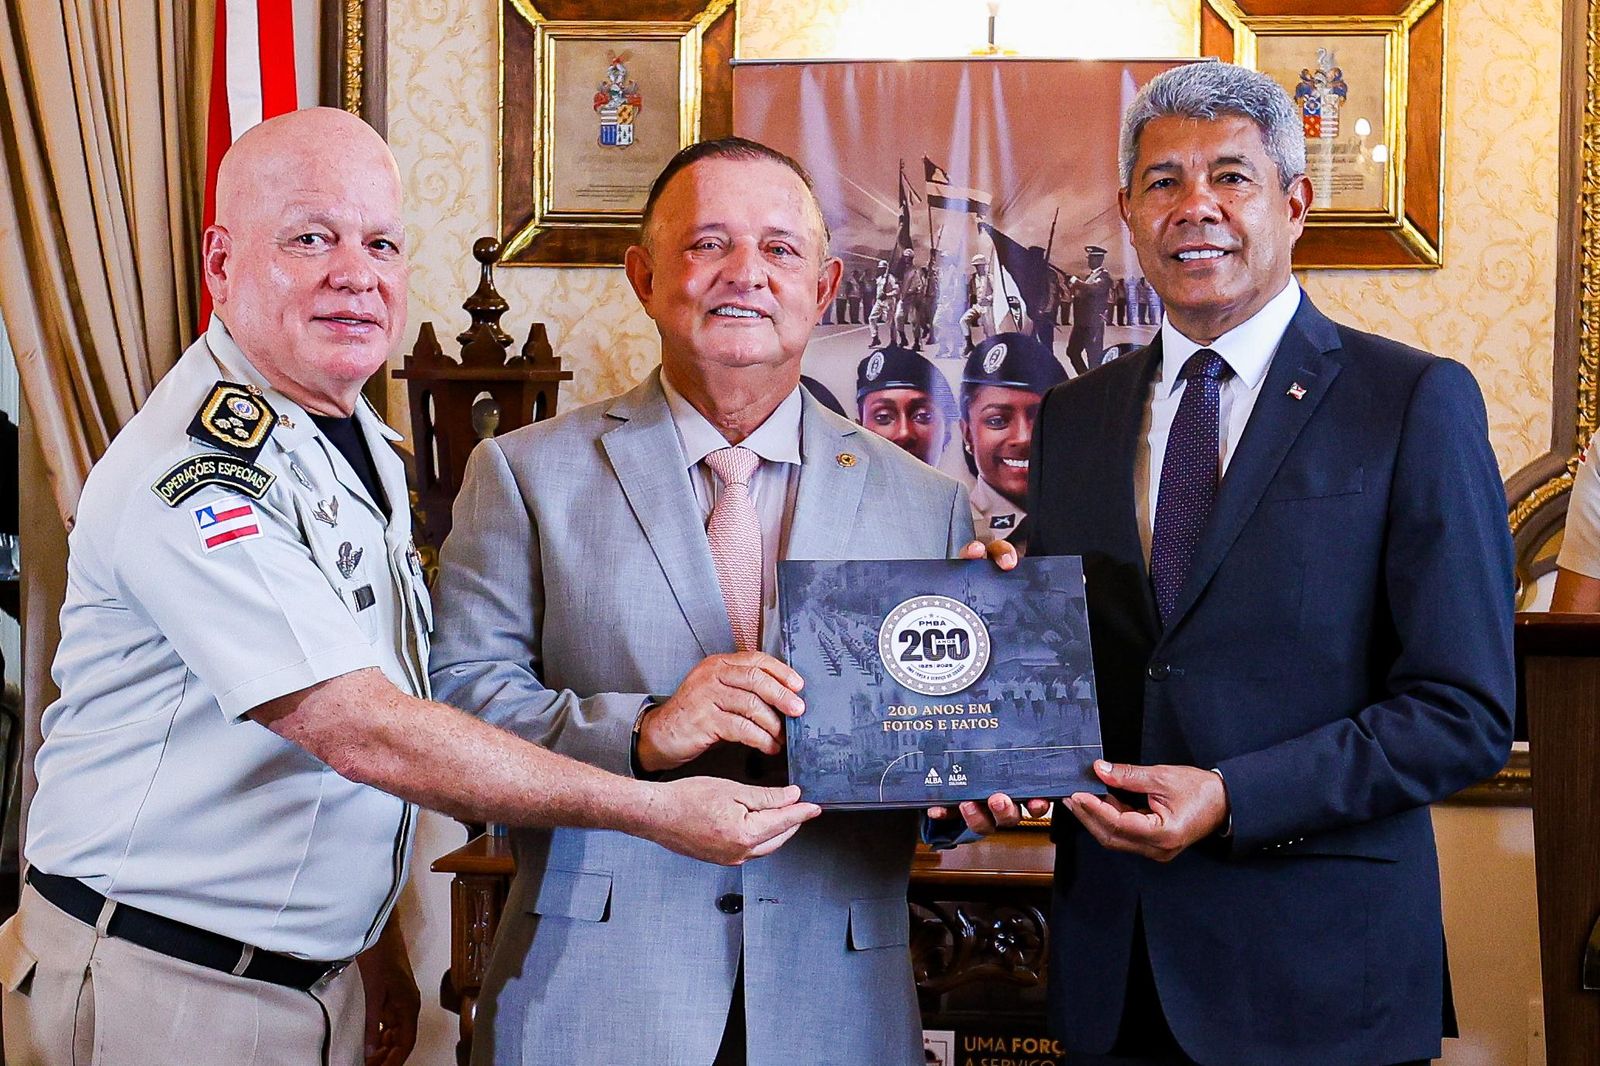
[(1491, 305)]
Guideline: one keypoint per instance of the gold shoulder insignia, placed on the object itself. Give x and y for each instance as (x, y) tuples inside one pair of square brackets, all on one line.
[(235, 419)]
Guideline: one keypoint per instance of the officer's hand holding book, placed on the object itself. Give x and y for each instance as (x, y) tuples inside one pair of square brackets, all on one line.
[(999, 811), (722, 821)]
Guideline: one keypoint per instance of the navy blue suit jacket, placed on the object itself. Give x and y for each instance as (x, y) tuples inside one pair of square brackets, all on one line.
[(1341, 653)]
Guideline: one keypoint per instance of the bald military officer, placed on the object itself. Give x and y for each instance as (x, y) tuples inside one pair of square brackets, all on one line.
[(224, 813)]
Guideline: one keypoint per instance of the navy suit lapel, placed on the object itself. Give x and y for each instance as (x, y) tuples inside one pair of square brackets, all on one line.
[(829, 493), (1275, 423), (646, 454)]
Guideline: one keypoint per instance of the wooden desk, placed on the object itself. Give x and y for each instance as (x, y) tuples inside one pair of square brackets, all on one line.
[(979, 930), (1558, 665)]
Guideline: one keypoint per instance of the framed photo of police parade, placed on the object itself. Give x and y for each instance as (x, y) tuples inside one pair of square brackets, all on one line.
[(984, 262), (935, 681), (1369, 87), (595, 98)]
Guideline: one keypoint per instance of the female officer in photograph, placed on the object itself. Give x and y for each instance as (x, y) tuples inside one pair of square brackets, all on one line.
[(1005, 377), (904, 398)]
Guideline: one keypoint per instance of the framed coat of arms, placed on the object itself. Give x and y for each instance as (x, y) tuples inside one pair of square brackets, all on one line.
[(595, 97), (1368, 81)]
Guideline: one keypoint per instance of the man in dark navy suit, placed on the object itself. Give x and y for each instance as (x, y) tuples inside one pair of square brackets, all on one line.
[(1300, 592)]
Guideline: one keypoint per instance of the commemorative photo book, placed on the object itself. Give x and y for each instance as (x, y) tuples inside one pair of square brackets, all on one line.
[(932, 681)]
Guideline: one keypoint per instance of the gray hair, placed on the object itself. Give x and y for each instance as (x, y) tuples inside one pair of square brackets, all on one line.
[(1209, 91)]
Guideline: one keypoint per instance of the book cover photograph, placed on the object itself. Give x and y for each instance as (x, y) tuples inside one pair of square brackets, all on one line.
[(931, 681)]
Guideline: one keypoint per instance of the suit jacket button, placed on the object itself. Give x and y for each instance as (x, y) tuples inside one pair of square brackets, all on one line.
[(730, 903), (1158, 671)]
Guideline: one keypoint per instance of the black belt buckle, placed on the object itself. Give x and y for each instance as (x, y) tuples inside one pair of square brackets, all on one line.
[(334, 970)]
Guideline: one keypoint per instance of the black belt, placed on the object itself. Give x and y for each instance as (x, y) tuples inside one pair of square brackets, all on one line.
[(177, 940)]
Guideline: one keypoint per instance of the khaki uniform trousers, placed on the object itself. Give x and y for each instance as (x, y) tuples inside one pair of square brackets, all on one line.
[(73, 997)]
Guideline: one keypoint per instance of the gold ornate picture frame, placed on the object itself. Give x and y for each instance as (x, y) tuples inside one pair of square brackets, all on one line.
[(1369, 80), (595, 98), (353, 58)]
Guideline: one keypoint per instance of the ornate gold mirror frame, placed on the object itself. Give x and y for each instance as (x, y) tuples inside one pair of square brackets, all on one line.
[(1537, 494)]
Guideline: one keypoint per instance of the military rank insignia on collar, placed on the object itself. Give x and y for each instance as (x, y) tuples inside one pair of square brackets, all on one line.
[(234, 419)]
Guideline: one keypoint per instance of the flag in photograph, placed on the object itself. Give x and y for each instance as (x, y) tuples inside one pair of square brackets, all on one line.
[(942, 194), (1022, 272), (908, 195), (982, 236)]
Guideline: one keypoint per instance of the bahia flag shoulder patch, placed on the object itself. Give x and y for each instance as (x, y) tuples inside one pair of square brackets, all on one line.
[(225, 521)]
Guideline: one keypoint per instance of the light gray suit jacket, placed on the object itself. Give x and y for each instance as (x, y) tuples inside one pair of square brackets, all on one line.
[(577, 581)]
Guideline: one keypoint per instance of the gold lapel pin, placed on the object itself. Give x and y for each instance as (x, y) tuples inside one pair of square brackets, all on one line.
[(845, 459), (1297, 391)]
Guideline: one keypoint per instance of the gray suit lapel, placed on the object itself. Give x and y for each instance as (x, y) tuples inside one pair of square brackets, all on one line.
[(648, 459), (833, 472)]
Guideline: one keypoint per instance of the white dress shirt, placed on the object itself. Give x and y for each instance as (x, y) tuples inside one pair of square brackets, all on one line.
[(1248, 349), (772, 487)]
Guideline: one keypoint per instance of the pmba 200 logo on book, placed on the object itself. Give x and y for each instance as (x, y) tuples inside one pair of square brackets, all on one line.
[(934, 645)]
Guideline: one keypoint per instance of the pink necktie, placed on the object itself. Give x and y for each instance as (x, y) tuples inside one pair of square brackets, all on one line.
[(735, 536)]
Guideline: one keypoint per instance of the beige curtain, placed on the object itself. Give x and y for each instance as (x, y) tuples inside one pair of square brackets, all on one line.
[(101, 122), (102, 155)]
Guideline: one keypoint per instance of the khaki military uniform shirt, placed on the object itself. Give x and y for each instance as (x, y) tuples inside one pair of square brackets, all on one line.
[(202, 584)]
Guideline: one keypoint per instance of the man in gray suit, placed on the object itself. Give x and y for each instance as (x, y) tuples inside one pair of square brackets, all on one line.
[(583, 605)]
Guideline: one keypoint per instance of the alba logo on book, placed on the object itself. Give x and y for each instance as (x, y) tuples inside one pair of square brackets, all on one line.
[(933, 777)]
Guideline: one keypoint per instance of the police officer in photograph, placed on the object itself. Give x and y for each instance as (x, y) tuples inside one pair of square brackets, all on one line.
[(980, 296), (1091, 298), (904, 398), (227, 782), (1005, 377), (886, 296)]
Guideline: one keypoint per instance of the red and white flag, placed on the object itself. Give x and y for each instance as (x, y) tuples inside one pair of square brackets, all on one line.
[(252, 78), (226, 521)]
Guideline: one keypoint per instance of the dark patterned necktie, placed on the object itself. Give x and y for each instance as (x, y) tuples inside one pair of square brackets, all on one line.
[(1188, 477)]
